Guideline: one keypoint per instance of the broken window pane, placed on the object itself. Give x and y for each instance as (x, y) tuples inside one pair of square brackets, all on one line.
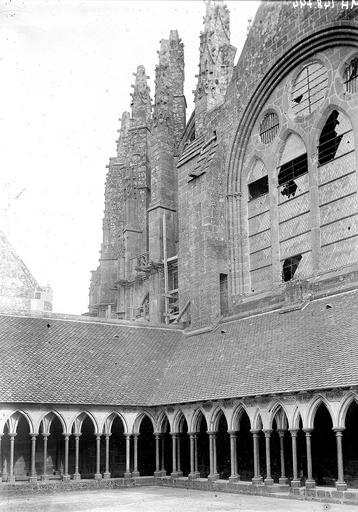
[(289, 267), (309, 89), (269, 127), (329, 139), (258, 188), (289, 172), (351, 76)]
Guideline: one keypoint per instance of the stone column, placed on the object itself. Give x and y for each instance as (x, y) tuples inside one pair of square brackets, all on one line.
[(234, 477), (157, 472), (0, 459), (128, 473), (174, 473), (135, 455), (340, 484), (214, 475), (268, 480), (296, 482), (193, 473), (33, 476), (107, 473), (98, 475), (309, 482), (66, 477), (196, 465), (44, 475), (257, 477), (179, 471), (163, 471), (11, 478), (283, 480), (76, 475)]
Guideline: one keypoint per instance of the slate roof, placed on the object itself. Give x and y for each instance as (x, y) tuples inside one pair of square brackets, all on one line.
[(86, 363)]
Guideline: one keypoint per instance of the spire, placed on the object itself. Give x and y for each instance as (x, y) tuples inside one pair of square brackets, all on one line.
[(123, 132), (141, 102), (216, 59)]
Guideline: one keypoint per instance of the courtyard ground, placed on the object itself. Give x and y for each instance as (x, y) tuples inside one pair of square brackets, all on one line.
[(154, 499)]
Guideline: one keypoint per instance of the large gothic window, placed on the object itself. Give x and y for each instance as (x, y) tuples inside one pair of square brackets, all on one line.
[(337, 190), (294, 210)]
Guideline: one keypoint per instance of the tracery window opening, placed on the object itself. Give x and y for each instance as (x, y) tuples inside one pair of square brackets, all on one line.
[(290, 171), (309, 90), (258, 188), (269, 128), (351, 76), (330, 140)]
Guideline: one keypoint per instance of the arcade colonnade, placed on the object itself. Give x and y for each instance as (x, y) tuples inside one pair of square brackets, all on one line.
[(302, 439)]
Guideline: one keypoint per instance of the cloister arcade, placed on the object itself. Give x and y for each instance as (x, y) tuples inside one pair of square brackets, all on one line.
[(308, 440)]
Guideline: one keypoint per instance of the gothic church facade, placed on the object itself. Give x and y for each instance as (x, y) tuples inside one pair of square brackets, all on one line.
[(222, 342)]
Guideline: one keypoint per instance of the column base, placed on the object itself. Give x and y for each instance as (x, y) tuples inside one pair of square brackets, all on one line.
[(135, 474), (44, 478), (296, 483), (283, 480), (127, 475), (341, 486), (157, 474), (163, 472), (76, 476), (175, 474), (214, 476), (257, 480), (234, 478), (33, 479), (310, 484), (66, 478), (98, 476), (268, 481), (11, 479), (106, 475)]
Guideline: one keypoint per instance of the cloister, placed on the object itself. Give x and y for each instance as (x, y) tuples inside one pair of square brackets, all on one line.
[(299, 440)]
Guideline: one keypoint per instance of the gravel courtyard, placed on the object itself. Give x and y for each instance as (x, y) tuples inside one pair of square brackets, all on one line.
[(160, 500)]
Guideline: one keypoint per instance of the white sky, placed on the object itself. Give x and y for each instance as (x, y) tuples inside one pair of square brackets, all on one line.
[(65, 77)]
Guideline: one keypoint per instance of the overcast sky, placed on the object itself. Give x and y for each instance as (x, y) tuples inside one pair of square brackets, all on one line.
[(66, 73)]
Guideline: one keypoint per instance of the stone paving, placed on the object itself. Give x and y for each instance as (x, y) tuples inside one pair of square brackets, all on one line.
[(156, 499)]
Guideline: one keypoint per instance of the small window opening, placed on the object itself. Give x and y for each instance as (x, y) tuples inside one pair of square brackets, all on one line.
[(224, 298), (269, 128), (258, 188), (289, 267), (351, 76), (329, 140), (289, 172)]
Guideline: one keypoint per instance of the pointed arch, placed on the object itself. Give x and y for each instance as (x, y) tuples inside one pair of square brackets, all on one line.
[(278, 412), (47, 419), (138, 421), (343, 408), (77, 422), (312, 409), (14, 418), (161, 421), (215, 418), (197, 419), (257, 423), (239, 411), (296, 419), (108, 422)]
